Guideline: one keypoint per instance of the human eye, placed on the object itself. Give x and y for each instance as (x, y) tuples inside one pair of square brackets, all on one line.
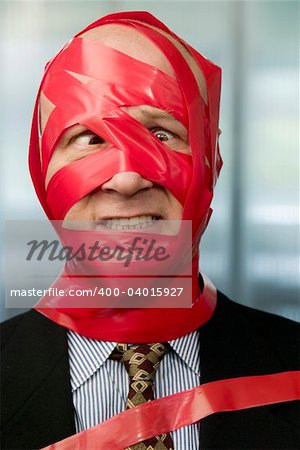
[(87, 138), (162, 134)]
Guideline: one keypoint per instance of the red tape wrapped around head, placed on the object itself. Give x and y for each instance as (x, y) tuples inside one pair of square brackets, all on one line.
[(97, 104)]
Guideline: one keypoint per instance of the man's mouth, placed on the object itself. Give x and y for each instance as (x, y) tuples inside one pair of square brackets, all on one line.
[(129, 223)]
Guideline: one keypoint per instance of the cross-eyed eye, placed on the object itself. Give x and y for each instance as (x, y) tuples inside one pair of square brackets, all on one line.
[(162, 135), (88, 138)]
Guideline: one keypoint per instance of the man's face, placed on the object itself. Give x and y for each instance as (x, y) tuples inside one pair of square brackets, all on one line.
[(127, 200)]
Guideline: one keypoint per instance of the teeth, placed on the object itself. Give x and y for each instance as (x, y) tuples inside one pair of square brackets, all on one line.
[(132, 223)]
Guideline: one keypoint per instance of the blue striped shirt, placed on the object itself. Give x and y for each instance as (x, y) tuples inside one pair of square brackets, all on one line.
[(100, 385)]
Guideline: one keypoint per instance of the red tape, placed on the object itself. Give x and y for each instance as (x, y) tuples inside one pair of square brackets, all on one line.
[(179, 410), (84, 91)]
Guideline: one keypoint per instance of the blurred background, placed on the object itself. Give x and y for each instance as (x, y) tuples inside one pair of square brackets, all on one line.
[(250, 250)]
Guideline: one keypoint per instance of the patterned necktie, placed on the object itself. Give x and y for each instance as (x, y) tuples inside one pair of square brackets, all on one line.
[(141, 363)]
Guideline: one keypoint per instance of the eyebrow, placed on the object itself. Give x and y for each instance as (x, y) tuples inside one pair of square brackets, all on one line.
[(154, 113), (157, 114)]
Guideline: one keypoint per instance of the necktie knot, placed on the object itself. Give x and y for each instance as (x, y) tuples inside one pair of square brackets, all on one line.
[(141, 361)]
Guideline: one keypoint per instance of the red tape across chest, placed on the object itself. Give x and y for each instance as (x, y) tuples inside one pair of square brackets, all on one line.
[(179, 410)]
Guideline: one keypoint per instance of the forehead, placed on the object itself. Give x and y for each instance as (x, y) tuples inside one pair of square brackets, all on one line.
[(130, 41), (124, 39), (133, 43)]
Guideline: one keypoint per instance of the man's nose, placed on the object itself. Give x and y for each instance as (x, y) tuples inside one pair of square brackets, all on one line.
[(127, 183)]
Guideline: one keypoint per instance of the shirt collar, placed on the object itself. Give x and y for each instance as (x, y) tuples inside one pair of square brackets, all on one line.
[(87, 355), (188, 349)]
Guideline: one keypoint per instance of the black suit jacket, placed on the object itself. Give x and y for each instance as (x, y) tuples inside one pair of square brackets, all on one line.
[(37, 407)]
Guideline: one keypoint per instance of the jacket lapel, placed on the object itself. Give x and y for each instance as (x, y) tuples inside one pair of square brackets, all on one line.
[(40, 408)]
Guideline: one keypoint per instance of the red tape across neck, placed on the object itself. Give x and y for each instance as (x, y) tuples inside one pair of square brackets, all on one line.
[(97, 104)]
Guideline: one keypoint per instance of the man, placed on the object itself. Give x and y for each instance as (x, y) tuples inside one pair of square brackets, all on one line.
[(128, 126)]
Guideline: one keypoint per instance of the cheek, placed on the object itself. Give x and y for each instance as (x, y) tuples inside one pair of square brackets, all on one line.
[(175, 208), (82, 210), (55, 164), (183, 147), (61, 158)]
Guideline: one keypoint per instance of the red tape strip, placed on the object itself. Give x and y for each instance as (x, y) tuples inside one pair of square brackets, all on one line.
[(179, 410)]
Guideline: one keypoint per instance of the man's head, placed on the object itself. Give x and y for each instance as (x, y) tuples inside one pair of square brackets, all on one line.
[(127, 194), (128, 130), (127, 66)]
